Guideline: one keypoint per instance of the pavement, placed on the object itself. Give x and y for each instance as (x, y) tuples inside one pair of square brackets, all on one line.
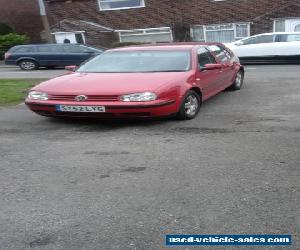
[(124, 185), (13, 72)]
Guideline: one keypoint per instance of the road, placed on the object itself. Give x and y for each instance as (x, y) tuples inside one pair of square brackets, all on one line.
[(125, 185)]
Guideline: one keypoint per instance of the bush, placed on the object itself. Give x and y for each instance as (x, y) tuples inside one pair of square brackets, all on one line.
[(9, 40), (5, 29)]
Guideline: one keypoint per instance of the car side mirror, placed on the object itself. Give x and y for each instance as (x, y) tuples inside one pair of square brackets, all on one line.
[(71, 68), (212, 66)]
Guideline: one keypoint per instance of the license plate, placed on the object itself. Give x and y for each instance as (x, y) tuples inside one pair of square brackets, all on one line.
[(84, 109)]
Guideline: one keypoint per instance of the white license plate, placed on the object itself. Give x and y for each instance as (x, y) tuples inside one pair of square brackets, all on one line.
[(84, 109)]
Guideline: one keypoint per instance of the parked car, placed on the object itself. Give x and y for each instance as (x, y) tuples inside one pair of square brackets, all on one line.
[(141, 81), (31, 57), (281, 47)]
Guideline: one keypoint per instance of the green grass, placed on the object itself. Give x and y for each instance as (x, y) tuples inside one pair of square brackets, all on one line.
[(14, 91)]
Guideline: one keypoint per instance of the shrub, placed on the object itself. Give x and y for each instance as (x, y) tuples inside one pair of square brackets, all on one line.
[(5, 29), (9, 40)]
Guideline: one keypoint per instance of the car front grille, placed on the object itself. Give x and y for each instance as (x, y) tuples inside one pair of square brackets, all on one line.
[(90, 98)]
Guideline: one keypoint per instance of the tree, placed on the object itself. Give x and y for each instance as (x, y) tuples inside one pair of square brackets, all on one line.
[(9, 40), (5, 29)]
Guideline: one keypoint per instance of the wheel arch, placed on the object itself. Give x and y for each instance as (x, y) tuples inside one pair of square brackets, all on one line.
[(198, 91), (27, 58)]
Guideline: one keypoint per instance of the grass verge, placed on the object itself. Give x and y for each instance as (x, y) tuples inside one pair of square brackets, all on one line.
[(13, 91)]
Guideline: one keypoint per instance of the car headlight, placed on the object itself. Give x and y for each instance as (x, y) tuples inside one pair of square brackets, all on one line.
[(139, 97), (36, 95)]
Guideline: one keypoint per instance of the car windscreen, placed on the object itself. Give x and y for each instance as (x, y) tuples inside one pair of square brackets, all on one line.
[(138, 61)]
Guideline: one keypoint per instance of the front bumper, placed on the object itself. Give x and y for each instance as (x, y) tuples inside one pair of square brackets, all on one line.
[(156, 108)]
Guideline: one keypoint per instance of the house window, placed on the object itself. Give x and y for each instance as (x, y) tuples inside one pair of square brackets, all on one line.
[(223, 33), (279, 26), (70, 37), (120, 4), (152, 35)]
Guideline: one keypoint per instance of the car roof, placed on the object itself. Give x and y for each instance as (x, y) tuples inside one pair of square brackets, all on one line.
[(279, 33), (164, 46)]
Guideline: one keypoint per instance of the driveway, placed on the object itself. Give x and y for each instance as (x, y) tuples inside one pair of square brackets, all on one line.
[(125, 185)]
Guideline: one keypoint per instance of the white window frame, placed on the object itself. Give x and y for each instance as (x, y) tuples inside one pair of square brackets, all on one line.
[(234, 29), (144, 32), (123, 8), (70, 32)]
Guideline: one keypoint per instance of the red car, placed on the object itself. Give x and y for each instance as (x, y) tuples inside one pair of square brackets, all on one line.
[(141, 81)]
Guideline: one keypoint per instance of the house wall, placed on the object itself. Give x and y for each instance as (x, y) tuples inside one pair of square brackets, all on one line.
[(178, 14), (23, 16)]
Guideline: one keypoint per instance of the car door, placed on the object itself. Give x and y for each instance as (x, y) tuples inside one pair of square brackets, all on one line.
[(288, 47), (258, 48), (207, 80), (223, 57), (49, 55)]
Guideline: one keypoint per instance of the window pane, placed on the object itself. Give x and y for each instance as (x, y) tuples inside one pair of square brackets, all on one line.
[(26, 49), (50, 49), (198, 33), (241, 30), (259, 39), (219, 53), (220, 27), (148, 38), (292, 38), (222, 36), (297, 28), (70, 48), (204, 57), (116, 4), (279, 25)]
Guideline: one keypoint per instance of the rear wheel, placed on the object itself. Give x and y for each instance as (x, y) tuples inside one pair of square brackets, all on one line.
[(190, 106), (28, 65), (238, 82)]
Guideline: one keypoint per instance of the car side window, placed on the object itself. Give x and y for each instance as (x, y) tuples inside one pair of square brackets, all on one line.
[(85, 49), (222, 55), (293, 38), (204, 57), (259, 39), (49, 49), (72, 49), (27, 49)]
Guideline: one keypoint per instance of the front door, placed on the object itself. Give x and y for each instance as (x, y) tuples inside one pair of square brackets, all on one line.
[(292, 25), (207, 80)]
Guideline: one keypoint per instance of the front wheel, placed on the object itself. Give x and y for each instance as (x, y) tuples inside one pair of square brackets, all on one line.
[(238, 82), (190, 106), (28, 65)]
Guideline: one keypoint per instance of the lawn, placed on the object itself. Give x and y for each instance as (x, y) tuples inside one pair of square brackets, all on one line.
[(14, 91)]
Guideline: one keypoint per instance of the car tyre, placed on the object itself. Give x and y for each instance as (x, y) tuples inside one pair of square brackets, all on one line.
[(28, 65), (190, 106), (238, 81)]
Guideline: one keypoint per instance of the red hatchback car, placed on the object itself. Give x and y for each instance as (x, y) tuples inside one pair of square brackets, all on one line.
[(141, 81)]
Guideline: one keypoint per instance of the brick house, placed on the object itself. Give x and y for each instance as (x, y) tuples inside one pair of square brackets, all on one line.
[(103, 22), (23, 16)]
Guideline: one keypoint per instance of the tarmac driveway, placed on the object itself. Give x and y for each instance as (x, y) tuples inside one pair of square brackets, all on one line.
[(125, 185)]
